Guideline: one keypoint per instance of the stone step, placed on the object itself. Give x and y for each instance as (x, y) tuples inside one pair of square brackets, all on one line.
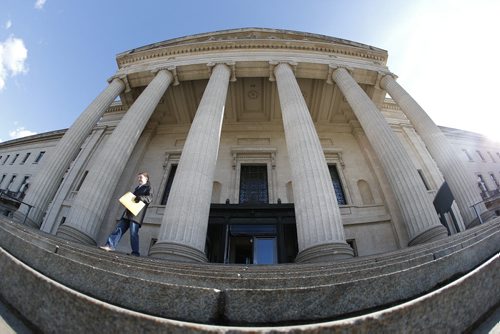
[(287, 269), (318, 298), (243, 276), (452, 308), (413, 254)]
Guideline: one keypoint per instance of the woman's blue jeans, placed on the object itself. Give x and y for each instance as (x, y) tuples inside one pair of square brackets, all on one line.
[(120, 230)]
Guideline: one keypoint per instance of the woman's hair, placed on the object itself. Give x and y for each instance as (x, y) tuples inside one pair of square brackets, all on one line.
[(145, 174)]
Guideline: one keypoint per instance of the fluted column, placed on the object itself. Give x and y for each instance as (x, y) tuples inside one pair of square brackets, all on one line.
[(416, 207), (184, 225), (461, 181), (47, 180), (92, 200), (320, 232)]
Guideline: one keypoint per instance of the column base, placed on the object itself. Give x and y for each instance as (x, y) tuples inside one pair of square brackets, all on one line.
[(325, 253), (177, 253), (432, 234), (20, 217), (72, 234)]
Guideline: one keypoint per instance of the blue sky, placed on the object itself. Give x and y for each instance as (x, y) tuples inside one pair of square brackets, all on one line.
[(55, 55)]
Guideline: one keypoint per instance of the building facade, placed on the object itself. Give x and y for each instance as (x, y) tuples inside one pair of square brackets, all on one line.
[(263, 146)]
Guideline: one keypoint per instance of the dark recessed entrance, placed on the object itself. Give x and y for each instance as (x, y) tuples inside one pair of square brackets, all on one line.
[(256, 234)]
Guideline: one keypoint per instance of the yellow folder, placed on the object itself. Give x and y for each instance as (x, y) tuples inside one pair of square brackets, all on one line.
[(128, 201)]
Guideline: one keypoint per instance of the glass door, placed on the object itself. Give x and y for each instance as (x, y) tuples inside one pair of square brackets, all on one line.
[(253, 244), (265, 250)]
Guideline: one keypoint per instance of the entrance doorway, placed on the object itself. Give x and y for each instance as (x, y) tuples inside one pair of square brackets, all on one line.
[(253, 244), (251, 234)]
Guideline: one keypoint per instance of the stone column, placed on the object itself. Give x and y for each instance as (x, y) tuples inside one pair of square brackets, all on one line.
[(184, 225), (416, 207), (461, 181), (92, 200), (46, 182), (320, 232)]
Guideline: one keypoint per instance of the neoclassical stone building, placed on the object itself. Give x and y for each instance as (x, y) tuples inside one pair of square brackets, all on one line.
[(296, 151), (256, 125)]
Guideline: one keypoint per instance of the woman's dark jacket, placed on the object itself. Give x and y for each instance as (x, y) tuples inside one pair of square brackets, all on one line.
[(143, 193)]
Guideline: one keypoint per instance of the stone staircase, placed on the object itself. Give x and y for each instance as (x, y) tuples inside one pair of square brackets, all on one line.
[(449, 283)]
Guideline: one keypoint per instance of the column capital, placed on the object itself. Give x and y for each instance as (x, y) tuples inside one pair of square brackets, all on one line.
[(381, 76), (274, 63), (167, 70), (173, 70), (162, 68), (113, 77), (123, 78), (387, 73), (384, 74), (335, 67), (230, 64)]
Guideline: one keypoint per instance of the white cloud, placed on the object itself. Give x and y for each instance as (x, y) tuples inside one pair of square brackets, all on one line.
[(20, 132), (8, 24), (13, 55), (39, 4)]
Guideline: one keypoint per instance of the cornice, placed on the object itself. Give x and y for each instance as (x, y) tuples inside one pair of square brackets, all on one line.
[(231, 45), (116, 108), (45, 136)]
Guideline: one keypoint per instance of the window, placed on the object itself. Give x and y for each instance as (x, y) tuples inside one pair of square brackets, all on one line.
[(1, 181), (480, 155), (168, 185), (6, 158), (39, 157), (15, 158), (468, 155), (481, 183), (494, 179), (25, 158), (23, 187), (23, 184), (421, 173), (253, 184), (11, 181), (337, 185)]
